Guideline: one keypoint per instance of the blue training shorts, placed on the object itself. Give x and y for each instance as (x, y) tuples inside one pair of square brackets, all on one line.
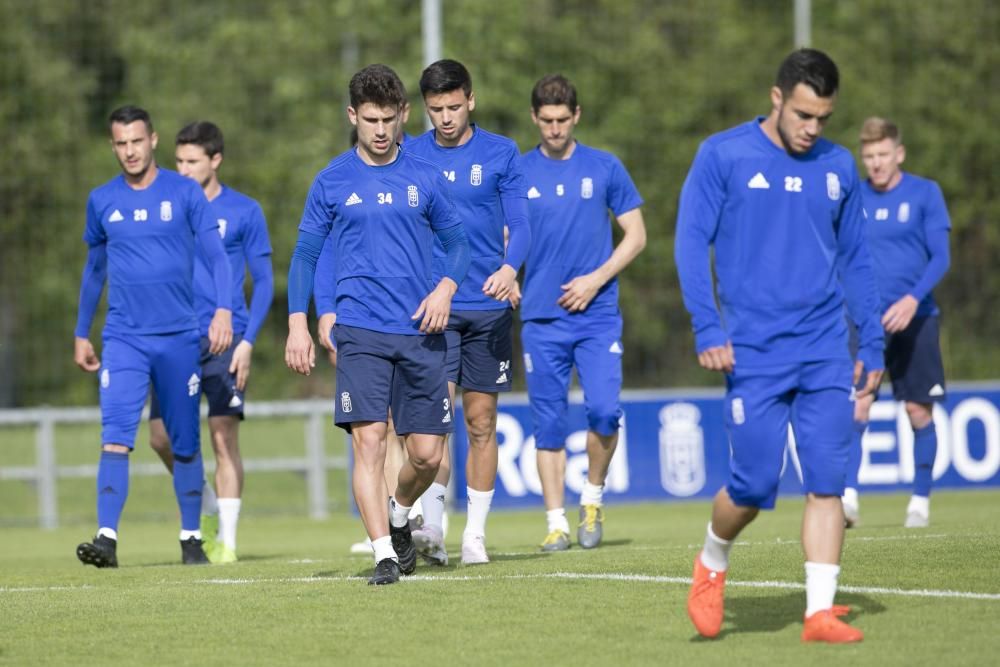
[(376, 371), (217, 383), (480, 344), (551, 349), (815, 398), (170, 362)]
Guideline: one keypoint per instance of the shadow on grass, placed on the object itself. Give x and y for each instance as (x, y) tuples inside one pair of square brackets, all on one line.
[(773, 613)]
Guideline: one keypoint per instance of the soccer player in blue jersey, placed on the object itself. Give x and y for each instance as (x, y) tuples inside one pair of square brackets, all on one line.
[(384, 207), (782, 207), (570, 301), (485, 182), (907, 225), (199, 150), (143, 230)]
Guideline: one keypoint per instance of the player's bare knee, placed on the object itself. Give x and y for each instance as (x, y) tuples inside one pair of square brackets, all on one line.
[(920, 414), (116, 449)]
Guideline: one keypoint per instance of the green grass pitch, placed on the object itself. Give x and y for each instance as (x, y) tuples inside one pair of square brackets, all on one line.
[(923, 597)]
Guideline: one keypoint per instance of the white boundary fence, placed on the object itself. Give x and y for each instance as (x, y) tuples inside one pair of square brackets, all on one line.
[(46, 472)]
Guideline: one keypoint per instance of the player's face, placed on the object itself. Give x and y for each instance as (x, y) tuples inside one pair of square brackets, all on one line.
[(882, 160), (194, 162), (133, 145), (802, 115), (377, 128), (556, 123), (449, 113)]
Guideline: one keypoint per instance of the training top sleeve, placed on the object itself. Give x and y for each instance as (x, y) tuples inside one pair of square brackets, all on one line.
[(623, 196), (937, 224), (257, 250), (325, 280), (514, 201), (95, 272), (701, 201), (858, 278), (302, 271)]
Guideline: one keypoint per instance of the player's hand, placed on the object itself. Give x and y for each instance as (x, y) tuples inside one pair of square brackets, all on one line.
[(240, 364), (872, 382), (579, 292), (84, 355), (300, 354), (515, 295), (900, 314), (719, 358), (220, 331), (501, 283), (434, 310), (323, 329)]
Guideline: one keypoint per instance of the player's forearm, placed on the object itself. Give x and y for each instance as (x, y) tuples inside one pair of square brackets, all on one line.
[(627, 250), (456, 248), (95, 272), (517, 230), (302, 272), (937, 265), (263, 294)]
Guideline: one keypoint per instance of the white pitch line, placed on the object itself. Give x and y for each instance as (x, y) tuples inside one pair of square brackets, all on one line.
[(641, 578)]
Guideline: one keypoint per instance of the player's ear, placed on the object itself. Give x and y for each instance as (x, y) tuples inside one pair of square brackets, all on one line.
[(900, 154), (776, 97), (472, 101), (215, 161), (352, 115), (576, 114), (154, 138)]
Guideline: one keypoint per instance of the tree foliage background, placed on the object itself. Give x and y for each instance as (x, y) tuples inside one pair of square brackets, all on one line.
[(655, 78)]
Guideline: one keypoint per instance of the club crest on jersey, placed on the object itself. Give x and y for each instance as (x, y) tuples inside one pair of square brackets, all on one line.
[(903, 214), (345, 402), (832, 186), (222, 227), (587, 188), (476, 177), (412, 198), (194, 384), (166, 211), (105, 378)]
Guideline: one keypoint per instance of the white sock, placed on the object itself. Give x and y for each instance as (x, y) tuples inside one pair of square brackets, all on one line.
[(229, 515), (479, 507), (209, 502), (108, 532), (591, 494), (850, 497), (715, 553), (188, 534), (557, 520), (821, 586), (920, 505), (383, 549), (418, 510), (399, 515), (433, 502)]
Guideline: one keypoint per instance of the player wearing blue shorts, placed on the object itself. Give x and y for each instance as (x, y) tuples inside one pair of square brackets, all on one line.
[(143, 230), (907, 229), (570, 308), (483, 176), (198, 152), (782, 207), (384, 207)]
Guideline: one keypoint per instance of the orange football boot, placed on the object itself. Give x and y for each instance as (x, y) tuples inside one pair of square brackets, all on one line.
[(824, 626), (705, 604)]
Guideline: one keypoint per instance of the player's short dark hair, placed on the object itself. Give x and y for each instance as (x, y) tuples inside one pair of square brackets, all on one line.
[(553, 89), (378, 85), (445, 76), (129, 114), (876, 129), (811, 67), (202, 133)]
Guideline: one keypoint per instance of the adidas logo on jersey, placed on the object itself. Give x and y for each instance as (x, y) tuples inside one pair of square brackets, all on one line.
[(758, 182), (533, 193), (116, 216), (502, 379), (235, 401), (936, 390), (616, 348), (353, 199)]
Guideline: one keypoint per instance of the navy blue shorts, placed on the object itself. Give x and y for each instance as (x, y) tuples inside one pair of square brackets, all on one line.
[(129, 364), (480, 345), (815, 398), (913, 360), (217, 383), (378, 371), (551, 349)]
